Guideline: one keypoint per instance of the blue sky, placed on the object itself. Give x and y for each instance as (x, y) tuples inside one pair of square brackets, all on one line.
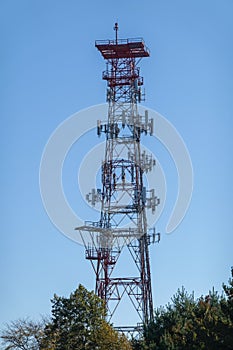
[(50, 69)]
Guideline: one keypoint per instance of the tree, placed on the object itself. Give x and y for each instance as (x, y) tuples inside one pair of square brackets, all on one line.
[(78, 323), (22, 334), (189, 324)]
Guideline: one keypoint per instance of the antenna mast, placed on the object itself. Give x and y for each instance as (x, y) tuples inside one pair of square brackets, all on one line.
[(116, 30), (124, 197)]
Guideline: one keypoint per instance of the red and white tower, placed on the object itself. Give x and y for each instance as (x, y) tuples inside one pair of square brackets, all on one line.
[(124, 197)]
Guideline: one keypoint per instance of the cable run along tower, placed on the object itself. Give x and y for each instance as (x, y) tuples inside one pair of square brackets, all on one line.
[(124, 198)]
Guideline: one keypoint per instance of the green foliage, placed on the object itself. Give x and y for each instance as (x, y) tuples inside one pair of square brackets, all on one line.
[(189, 324), (229, 293), (78, 323)]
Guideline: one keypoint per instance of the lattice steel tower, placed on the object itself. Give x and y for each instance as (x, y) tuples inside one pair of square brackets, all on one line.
[(124, 198)]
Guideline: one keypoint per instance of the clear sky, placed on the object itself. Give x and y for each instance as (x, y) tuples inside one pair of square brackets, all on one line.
[(50, 70)]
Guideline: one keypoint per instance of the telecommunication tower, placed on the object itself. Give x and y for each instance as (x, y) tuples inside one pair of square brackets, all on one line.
[(123, 197)]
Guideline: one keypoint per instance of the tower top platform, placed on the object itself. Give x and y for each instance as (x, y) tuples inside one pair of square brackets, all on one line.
[(122, 48)]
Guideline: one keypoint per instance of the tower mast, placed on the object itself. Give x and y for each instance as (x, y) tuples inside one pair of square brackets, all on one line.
[(124, 198)]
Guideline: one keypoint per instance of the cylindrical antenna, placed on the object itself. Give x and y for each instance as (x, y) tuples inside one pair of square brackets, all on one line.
[(116, 30)]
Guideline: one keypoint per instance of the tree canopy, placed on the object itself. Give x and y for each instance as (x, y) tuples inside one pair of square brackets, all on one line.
[(23, 334), (189, 324), (78, 323)]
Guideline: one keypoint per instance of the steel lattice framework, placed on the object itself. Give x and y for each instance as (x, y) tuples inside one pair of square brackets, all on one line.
[(124, 198)]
